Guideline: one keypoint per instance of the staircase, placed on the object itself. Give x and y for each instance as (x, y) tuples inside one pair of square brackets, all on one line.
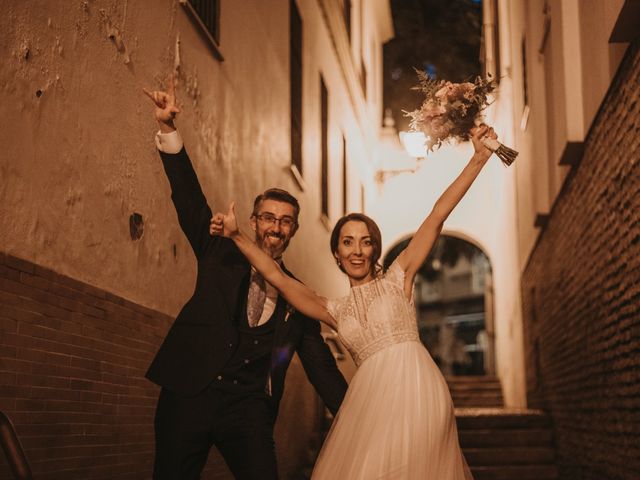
[(498, 443), (501, 443), (475, 391)]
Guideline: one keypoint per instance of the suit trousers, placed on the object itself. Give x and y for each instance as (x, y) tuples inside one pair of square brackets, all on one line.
[(239, 425)]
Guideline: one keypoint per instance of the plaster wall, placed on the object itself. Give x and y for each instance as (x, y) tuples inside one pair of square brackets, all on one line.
[(530, 133), (490, 214), (569, 67), (557, 68), (81, 156), (486, 216), (599, 58), (78, 135), (79, 159)]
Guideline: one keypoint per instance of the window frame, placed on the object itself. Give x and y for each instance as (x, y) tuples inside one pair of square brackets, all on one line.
[(211, 37), (324, 150), (296, 85)]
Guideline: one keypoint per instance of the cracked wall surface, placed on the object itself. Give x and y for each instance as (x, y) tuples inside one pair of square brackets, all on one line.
[(79, 155), (84, 196)]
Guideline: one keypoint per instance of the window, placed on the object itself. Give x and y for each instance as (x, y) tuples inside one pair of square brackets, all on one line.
[(363, 68), (346, 12), (324, 136), (363, 77), (295, 65), (345, 184), (525, 86), (496, 40), (491, 42), (206, 13), (546, 28)]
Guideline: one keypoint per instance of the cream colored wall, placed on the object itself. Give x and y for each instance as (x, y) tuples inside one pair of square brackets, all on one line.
[(599, 59), (567, 82), (530, 135), (80, 158), (490, 213), (486, 215), (320, 59), (351, 115)]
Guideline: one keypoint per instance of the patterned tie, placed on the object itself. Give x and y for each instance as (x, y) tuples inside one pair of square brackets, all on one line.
[(256, 298)]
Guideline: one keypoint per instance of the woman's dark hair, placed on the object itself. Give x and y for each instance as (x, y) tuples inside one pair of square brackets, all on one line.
[(374, 233)]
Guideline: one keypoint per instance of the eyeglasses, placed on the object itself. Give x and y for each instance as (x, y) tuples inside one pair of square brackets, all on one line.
[(271, 219)]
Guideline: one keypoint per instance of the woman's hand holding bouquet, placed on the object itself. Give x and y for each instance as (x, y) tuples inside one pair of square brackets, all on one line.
[(452, 110)]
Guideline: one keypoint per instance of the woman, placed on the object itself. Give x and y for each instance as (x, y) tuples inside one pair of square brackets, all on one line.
[(397, 420)]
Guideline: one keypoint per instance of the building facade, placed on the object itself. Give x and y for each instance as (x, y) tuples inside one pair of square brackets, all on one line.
[(576, 67), (94, 266)]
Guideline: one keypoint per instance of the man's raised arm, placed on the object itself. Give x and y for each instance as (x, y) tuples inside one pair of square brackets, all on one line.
[(190, 203)]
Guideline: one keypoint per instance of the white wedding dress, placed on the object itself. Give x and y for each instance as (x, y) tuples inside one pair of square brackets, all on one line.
[(397, 419)]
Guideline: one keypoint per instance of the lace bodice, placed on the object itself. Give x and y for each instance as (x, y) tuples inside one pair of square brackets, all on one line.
[(375, 315)]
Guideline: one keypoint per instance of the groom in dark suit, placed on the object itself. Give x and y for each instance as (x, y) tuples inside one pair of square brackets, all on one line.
[(223, 363)]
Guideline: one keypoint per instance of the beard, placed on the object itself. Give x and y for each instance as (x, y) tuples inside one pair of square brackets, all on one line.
[(264, 241)]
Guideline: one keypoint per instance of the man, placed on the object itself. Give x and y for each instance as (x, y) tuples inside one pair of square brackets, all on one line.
[(223, 363)]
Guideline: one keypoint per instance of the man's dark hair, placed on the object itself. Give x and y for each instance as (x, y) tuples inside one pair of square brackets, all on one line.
[(276, 194)]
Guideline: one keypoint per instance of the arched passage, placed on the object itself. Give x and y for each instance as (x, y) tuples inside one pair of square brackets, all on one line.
[(454, 302)]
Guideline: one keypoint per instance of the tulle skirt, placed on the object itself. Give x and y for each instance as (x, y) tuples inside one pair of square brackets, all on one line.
[(396, 422)]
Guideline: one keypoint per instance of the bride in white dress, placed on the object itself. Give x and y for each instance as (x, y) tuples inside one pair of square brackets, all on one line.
[(397, 419)]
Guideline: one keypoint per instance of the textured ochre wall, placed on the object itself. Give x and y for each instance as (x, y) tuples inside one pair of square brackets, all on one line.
[(77, 134), (84, 306)]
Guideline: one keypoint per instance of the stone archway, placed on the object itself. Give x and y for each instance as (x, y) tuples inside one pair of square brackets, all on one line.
[(454, 302)]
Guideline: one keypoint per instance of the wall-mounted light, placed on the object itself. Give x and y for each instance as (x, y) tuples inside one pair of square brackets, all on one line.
[(398, 152), (414, 144)]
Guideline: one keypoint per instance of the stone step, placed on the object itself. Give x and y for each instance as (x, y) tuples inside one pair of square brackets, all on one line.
[(477, 379), (480, 391), (472, 378), (476, 396), (510, 456), (475, 391), (531, 437), (477, 402), (467, 387), (502, 418), (520, 472), (481, 387), (472, 395)]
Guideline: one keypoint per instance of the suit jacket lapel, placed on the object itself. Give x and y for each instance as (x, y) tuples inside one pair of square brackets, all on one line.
[(235, 278)]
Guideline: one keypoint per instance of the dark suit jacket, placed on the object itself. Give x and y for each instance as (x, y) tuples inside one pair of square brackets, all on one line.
[(205, 334)]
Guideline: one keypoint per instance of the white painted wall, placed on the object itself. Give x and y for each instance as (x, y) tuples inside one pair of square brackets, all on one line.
[(487, 216), (567, 81)]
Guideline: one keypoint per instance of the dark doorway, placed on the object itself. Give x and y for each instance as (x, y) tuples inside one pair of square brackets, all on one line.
[(454, 302)]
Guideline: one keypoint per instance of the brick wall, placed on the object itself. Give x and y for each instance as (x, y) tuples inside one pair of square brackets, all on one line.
[(581, 298), (72, 368), (72, 365)]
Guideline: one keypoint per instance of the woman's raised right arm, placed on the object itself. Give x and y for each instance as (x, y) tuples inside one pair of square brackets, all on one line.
[(295, 293)]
